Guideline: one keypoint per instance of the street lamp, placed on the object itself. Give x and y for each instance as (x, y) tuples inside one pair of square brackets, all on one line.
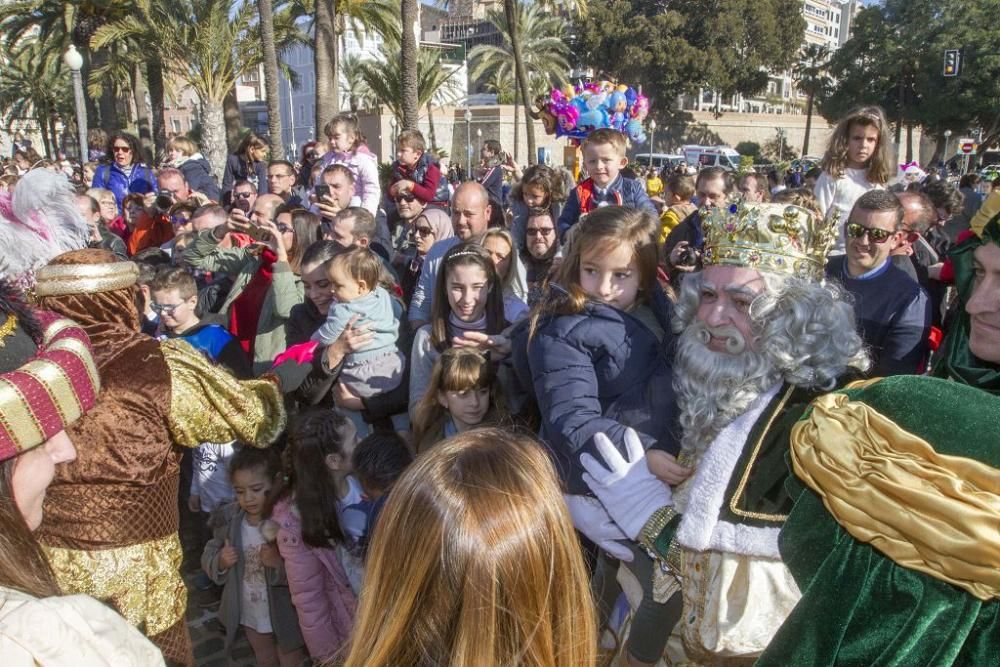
[(479, 139), (392, 124), (781, 142), (468, 140), (652, 139), (947, 135), (74, 61)]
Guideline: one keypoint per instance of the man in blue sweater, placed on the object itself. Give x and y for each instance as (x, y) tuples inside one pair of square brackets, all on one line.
[(892, 310)]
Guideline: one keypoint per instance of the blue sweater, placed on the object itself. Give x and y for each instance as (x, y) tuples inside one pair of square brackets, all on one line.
[(633, 195), (893, 315)]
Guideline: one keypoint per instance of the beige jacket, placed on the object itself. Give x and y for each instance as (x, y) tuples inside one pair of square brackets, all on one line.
[(72, 630)]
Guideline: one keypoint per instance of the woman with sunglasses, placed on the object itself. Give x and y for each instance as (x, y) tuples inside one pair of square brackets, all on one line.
[(428, 228), (124, 174)]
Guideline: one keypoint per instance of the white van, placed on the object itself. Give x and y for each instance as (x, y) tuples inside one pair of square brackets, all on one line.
[(712, 156), (659, 160)]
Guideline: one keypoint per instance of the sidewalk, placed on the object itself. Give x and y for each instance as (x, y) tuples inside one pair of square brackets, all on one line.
[(208, 637)]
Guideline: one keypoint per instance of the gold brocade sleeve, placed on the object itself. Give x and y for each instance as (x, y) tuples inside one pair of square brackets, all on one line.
[(207, 404), (929, 512)]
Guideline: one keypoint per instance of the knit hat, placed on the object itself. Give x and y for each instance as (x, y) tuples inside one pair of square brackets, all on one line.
[(48, 378)]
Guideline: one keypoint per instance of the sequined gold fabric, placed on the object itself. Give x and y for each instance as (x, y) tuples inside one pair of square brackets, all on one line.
[(208, 404), (140, 581)]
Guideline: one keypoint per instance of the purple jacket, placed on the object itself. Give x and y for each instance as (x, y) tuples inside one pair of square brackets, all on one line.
[(320, 589)]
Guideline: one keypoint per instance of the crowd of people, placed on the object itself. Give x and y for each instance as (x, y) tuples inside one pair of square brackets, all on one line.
[(404, 418)]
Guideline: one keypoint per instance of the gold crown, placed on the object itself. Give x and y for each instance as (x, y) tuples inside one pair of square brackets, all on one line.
[(780, 238)]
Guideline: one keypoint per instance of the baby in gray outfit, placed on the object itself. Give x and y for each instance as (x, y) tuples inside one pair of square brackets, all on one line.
[(354, 282)]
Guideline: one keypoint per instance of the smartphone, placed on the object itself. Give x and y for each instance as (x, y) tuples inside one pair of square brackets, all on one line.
[(243, 205), (322, 191)]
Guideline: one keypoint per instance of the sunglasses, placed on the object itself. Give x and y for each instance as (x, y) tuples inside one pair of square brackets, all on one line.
[(423, 231), (242, 195), (856, 231), (407, 198), (539, 231), (121, 149), (164, 309)]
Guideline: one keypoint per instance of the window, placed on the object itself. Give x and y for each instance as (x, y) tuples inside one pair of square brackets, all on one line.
[(301, 114), (175, 124)]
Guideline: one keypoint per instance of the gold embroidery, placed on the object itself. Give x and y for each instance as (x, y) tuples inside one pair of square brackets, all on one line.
[(7, 328), (141, 581), (734, 501)]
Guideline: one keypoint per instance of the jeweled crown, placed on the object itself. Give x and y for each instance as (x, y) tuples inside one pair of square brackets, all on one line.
[(780, 238)]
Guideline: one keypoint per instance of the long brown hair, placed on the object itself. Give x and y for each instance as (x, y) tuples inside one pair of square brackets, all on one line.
[(475, 561), (457, 369), (306, 231), (462, 255), (23, 566), (605, 229), (880, 165)]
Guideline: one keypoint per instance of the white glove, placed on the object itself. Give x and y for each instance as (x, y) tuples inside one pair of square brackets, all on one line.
[(591, 519), (628, 491)]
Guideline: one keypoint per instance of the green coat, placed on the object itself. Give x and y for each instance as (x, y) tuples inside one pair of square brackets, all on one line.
[(241, 264)]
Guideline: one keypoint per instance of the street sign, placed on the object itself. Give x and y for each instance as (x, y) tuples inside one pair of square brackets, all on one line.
[(967, 146)]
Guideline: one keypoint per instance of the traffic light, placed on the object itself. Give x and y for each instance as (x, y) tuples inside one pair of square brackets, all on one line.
[(952, 62)]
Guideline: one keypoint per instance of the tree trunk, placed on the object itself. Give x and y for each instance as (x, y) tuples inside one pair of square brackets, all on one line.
[(521, 75), (271, 78), (517, 127), (154, 70), (909, 142), (142, 113), (106, 102), (53, 135), (213, 136), (46, 144), (233, 119), (408, 64), (809, 118), (325, 61), (431, 135)]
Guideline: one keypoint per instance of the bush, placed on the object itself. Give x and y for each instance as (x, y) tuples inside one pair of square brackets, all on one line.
[(750, 149)]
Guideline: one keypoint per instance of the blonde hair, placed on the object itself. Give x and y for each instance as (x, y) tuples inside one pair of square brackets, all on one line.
[(457, 369), (880, 165), (475, 561), (184, 145), (606, 136)]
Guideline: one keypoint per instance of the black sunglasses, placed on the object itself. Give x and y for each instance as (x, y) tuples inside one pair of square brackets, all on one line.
[(407, 198), (856, 231)]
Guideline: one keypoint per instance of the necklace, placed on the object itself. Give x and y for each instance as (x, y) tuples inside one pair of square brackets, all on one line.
[(7, 328)]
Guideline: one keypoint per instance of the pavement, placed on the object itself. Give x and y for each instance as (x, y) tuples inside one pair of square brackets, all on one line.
[(208, 636)]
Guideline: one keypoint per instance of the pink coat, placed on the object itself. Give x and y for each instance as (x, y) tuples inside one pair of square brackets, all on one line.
[(320, 590)]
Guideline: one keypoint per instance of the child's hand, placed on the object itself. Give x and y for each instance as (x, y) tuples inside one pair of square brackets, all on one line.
[(269, 556), (194, 503), (228, 556), (344, 398), (497, 344), (665, 467)]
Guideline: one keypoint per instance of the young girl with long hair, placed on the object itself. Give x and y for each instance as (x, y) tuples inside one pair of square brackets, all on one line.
[(463, 394), (316, 528), (474, 561), (467, 311), (247, 163), (541, 190), (858, 159), (347, 147), (500, 245), (598, 353)]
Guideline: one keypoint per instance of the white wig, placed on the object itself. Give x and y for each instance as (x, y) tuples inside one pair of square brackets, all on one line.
[(38, 221), (807, 330)]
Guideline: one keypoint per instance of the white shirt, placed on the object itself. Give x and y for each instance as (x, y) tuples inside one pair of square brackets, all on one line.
[(839, 195), (211, 477), (255, 612)]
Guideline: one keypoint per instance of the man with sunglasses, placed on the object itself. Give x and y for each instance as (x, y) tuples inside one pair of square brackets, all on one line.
[(892, 310)]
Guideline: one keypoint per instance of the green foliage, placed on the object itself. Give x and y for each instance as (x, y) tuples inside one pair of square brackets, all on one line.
[(384, 79), (895, 59), (778, 150), (545, 51), (34, 85), (677, 47), (750, 149), (746, 164)]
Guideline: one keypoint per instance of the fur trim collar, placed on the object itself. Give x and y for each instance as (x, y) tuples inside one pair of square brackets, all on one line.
[(700, 527)]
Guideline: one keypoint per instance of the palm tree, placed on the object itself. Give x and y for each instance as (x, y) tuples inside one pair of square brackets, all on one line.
[(409, 53), (266, 11), (34, 85), (515, 34), (810, 75), (545, 57), (332, 20), (353, 85), (385, 79)]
